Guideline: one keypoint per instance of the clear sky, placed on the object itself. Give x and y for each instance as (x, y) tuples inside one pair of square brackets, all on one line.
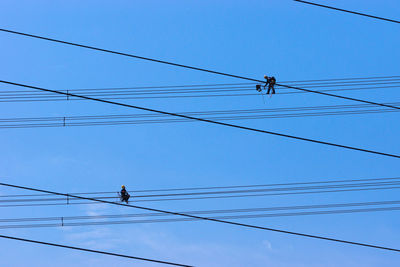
[(283, 38)]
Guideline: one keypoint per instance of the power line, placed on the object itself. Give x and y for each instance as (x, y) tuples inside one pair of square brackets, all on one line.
[(205, 120), (69, 202), (190, 67), (348, 82), (342, 97), (241, 210), (344, 79), (135, 119), (348, 11), (236, 191), (197, 113), (213, 88), (211, 219), (224, 187), (89, 250), (251, 216), (199, 87), (5, 95), (286, 191), (111, 93), (66, 123)]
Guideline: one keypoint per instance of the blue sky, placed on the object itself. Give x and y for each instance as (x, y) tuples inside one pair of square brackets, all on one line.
[(286, 39)]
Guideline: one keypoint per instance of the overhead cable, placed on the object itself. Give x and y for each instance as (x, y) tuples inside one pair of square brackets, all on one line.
[(347, 11), (89, 250)]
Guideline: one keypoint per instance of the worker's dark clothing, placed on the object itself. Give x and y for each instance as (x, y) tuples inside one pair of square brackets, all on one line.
[(125, 195), (271, 83)]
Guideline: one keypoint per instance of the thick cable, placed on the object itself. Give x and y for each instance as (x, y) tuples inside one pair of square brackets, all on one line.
[(89, 250), (347, 11)]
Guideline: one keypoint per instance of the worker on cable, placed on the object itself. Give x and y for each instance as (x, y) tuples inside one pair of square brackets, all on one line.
[(270, 81), (271, 85), (124, 195)]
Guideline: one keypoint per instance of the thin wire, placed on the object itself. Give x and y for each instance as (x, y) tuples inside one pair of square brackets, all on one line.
[(189, 67), (348, 11), (206, 120), (89, 250), (211, 219)]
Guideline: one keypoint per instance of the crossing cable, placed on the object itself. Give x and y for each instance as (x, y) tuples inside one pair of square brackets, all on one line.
[(203, 120), (348, 11), (190, 67), (90, 250), (211, 219)]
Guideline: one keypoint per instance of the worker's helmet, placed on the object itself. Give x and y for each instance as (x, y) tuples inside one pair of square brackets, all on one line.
[(266, 77), (123, 187)]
